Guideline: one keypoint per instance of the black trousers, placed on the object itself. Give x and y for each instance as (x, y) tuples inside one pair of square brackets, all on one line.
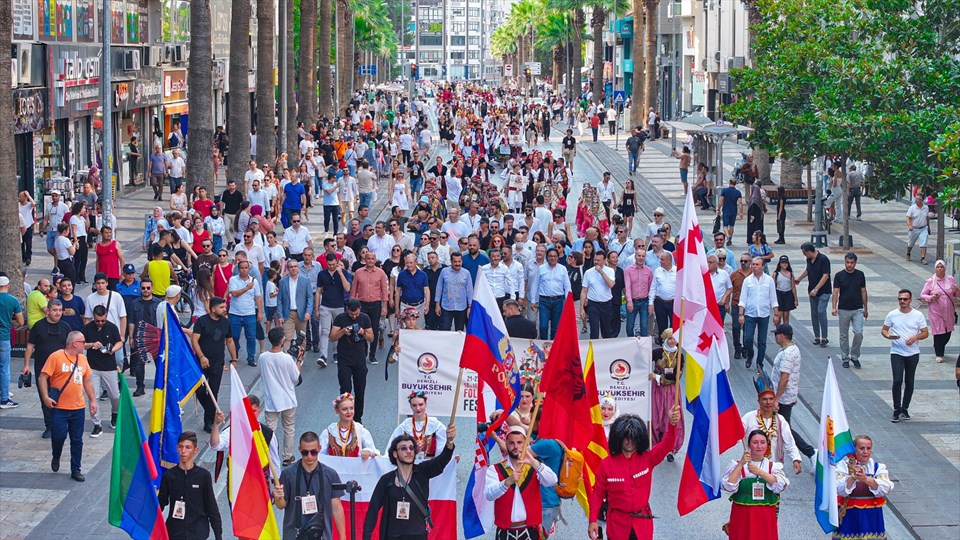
[(372, 309), (663, 311), (457, 318), (36, 383), (737, 328), (80, 260), (904, 371), (432, 320), (940, 343), (26, 245), (352, 376), (138, 359), (802, 444), (598, 317), (214, 375)]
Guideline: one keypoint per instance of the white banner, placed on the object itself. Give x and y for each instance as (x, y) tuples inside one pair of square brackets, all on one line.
[(430, 360)]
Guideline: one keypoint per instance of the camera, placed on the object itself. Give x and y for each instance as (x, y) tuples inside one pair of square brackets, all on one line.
[(355, 332), (298, 345), (482, 427), (24, 381)]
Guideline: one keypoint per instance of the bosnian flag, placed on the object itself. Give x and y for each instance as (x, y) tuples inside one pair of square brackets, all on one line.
[(367, 472), (716, 424), (487, 350), (836, 444), (477, 510)]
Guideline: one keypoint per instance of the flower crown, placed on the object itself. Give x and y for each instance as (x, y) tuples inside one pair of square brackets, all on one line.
[(341, 398)]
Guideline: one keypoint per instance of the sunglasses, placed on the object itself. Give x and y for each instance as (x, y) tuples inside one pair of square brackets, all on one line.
[(405, 448), (296, 221), (745, 262), (903, 299), (313, 452), (722, 258)]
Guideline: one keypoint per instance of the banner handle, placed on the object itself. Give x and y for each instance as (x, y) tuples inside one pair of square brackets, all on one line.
[(456, 395)]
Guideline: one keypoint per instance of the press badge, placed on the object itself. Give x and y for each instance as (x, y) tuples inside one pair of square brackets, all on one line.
[(758, 491), (308, 504), (77, 377), (403, 510), (179, 510)]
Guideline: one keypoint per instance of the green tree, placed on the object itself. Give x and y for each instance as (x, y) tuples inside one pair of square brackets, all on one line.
[(200, 82)]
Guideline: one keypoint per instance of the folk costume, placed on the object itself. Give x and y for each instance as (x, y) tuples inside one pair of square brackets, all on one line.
[(863, 518), (754, 510), (782, 447), (517, 509), (667, 363), (349, 442), (428, 436)]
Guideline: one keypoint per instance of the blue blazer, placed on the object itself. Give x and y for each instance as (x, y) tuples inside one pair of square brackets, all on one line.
[(303, 301)]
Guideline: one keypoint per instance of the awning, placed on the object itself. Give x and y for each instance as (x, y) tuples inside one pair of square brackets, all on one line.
[(176, 108)]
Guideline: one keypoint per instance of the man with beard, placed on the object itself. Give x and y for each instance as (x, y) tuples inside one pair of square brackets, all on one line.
[(143, 314), (409, 483), (508, 480)]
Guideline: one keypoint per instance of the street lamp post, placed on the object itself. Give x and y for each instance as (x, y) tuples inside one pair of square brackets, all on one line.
[(106, 67)]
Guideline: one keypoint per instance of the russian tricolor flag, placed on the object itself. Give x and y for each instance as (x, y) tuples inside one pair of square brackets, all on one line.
[(477, 510)]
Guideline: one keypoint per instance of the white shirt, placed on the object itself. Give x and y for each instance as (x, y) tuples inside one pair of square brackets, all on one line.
[(721, 282), (434, 427), (517, 275), (758, 296), (596, 286), (454, 232), (494, 489), (442, 251), (250, 176), (406, 142), (652, 229), (381, 246), (296, 239), (905, 325), (498, 278), (177, 166), (473, 222), (664, 285), (279, 374), (259, 197), (114, 312), (918, 215), (26, 212), (360, 433), (254, 255), (55, 213)]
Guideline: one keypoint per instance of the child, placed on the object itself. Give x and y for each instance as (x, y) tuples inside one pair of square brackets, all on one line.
[(272, 294)]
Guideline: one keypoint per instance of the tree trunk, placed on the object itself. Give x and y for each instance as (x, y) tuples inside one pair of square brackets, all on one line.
[(650, 34), (941, 240), (323, 65), (344, 55), (266, 100), (557, 66), (638, 114), (597, 21), (200, 97), (12, 265), (293, 107), (762, 158), (576, 45), (791, 174), (307, 76), (238, 123)]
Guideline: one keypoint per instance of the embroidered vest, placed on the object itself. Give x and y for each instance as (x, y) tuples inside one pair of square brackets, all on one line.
[(744, 493), (529, 492)]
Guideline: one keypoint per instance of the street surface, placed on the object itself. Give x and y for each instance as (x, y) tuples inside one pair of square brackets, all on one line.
[(923, 454)]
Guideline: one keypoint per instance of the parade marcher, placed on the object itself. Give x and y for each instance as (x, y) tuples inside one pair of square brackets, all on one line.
[(517, 325), (188, 490), (624, 478), (595, 296), (517, 507), (663, 290), (427, 432), (766, 419), (212, 333), (668, 361), (353, 333), (548, 291), (346, 437), (786, 380), (756, 483), (454, 294), (403, 493), (280, 374), (310, 495), (609, 412), (904, 327), (863, 484), (849, 300)]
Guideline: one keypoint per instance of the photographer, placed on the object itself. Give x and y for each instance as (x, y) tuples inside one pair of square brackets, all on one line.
[(352, 331), (280, 374), (311, 497)]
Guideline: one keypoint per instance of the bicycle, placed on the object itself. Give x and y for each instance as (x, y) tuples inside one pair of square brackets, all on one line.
[(184, 307)]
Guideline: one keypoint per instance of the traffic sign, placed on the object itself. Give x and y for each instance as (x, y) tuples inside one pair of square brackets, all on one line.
[(508, 70), (619, 97), (367, 69), (535, 67)]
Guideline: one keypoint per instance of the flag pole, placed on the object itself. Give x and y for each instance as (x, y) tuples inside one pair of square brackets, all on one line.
[(213, 397), (456, 394), (680, 354), (533, 419)]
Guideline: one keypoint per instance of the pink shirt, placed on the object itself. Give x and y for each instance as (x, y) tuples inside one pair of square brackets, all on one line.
[(637, 279)]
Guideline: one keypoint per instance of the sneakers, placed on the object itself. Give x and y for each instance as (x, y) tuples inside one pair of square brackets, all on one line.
[(97, 430), (904, 414), (374, 361), (252, 362), (139, 391), (113, 421), (322, 361), (9, 404), (896, 417), (824, 341), (939, 359), (856, 363), (103, 395), (846, 363)]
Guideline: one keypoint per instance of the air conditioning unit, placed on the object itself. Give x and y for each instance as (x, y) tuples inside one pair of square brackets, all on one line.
[(14, 73), (168, 54), (735, 62), (716, 56), (131, 60), (23, 52), (178, 54)]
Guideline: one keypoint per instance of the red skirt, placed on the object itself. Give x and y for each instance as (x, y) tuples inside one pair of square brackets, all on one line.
[(753, 522)]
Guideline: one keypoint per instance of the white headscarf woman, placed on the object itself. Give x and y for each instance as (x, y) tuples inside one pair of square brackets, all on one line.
[(608, 412)]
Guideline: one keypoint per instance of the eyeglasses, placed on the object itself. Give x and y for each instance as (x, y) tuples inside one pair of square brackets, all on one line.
[(312, 452), (208, 245), (721, 258), (396, 249), (222, 254)]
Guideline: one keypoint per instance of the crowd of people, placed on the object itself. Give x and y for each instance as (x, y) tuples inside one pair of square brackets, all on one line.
[(491, 199)]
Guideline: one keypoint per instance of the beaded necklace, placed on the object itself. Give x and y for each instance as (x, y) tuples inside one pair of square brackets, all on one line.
[(343, 437), (419, 438), (771, 431)]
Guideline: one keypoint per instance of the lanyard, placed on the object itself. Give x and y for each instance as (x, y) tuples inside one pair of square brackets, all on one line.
[(307, 478)]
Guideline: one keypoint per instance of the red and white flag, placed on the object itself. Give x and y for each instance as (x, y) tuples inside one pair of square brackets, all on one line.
[(367, 472)]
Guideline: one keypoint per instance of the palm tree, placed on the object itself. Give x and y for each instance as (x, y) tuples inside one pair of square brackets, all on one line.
[(266, 102), (238, 123), (345, 43), (9, 225), (289, 89), (553, 30), (650, 35), (503, 44), (597, 20), (200, 82), (370, 18), (323, 66), (637, 112), (307, 109)]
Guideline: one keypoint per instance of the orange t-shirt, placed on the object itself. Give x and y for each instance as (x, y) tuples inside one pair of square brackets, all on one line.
[(58, 368)]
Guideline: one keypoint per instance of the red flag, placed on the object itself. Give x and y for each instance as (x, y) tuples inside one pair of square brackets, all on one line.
[(566, 410)]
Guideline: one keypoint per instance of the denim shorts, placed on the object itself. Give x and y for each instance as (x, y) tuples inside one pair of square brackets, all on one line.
[(729, 219)]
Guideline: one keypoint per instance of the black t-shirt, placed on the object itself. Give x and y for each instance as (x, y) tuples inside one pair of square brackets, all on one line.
[(108, 335), (520, 327), (213, 337), (352, 347), (231, 201), (849, 285), (47, 338), (569, 142), (816, 269)]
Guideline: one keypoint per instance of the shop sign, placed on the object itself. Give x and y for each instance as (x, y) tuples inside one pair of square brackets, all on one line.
[(147, 93), (174, 85), (121, 95), (76, 78), (29, 110)]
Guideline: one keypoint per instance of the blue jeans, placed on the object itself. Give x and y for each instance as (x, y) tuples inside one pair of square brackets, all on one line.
[(638, 319), (550, 309), (4, 370), (331, 211), (316, 183), (366, 199), (632, 160), (217, 242), (755, 326), (63, 423), (175, 183), (818, 315), (247, 323)]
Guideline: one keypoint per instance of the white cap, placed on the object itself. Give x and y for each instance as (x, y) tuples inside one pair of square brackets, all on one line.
[(659, 210), (4, 281), (173, 290), (54, 192)]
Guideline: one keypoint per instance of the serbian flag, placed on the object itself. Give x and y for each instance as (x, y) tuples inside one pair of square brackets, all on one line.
[(367, 472), (487, 350), (571, 405), (477, 510), (178, 377), (250, 504), (134, 506), (716, 422)]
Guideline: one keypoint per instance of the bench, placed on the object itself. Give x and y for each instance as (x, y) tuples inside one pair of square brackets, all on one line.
[(793, 196)]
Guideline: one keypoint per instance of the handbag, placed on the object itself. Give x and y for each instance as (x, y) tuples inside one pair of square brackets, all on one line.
[(55, 393), (716, 224)]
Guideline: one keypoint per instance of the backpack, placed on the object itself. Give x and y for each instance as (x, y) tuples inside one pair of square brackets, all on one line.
[(570, 475)]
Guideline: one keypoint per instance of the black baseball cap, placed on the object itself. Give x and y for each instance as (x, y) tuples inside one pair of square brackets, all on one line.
[(785, 329)]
